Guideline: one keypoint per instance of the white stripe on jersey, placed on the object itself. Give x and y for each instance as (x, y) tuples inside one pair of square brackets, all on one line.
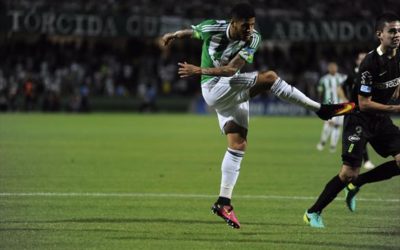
[(215, 27), (255, 41), (330, 84), (214, 43)]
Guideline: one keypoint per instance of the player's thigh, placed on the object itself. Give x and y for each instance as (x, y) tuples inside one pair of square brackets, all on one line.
[(337, 120), (229, 91), (353, 142), (239, 114)]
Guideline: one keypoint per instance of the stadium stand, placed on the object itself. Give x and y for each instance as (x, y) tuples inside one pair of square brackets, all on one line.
[(42, 69)]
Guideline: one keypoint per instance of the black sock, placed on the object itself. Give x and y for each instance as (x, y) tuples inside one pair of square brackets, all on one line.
[(382, 172), (365, 155), (224, 201), (332, 188)]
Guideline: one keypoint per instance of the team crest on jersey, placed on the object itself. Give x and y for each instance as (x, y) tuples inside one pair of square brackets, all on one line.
[(366, 78)]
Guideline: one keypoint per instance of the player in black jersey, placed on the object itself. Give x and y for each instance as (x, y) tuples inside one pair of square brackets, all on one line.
[(348, 87), (378, 80)]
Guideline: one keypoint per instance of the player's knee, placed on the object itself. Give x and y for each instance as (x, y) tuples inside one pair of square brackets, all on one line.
[(347, 177), (239, 145), (268, 77), (348, 174)]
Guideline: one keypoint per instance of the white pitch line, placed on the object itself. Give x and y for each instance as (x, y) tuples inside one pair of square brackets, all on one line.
[(176, 195)]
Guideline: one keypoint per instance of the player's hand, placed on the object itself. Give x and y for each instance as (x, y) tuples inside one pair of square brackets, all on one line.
[(168, 38), (186, 70)]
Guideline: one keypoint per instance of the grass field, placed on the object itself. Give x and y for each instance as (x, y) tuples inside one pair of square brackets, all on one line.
[(125, 181)]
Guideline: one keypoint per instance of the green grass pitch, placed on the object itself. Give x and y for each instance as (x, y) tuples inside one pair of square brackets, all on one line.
[(126, 181)]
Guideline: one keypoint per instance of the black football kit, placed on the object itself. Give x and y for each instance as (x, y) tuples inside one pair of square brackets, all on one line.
[(378, 78)]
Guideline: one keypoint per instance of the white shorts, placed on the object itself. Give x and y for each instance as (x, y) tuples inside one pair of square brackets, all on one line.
[(229, 96), (336, 120)]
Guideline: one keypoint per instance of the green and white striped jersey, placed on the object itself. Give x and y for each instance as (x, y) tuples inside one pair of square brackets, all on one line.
[(218, 49), (328, 86)]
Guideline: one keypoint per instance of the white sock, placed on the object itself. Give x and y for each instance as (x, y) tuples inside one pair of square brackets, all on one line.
[(326, 131), (335, 136), (287, 92), (230, 171)]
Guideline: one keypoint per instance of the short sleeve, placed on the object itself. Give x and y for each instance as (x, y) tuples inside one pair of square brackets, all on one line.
[(247, 52), (200, 30), (365, 79)]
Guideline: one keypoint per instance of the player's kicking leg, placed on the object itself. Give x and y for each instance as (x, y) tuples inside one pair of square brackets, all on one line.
[(327, 111), (269, 80)]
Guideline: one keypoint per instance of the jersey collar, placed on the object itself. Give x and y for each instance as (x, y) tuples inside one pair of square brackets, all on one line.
[(379, 50)]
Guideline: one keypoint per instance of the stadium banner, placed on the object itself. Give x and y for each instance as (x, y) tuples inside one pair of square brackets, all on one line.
[(136, 25)]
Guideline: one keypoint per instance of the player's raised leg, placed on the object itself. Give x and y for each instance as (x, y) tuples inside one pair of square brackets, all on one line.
[(269, 80)]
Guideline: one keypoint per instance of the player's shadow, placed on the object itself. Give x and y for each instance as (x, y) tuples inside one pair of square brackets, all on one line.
[(153, 220)]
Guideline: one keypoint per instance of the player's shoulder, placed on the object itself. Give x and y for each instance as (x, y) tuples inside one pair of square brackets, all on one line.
[(213, 24), (370, 60), (324, 77), (256, 34), (341, 75), (255, 39)]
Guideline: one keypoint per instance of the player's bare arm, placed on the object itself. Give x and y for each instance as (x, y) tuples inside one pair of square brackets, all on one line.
[(366, 104), (169, 37), (186, 69)]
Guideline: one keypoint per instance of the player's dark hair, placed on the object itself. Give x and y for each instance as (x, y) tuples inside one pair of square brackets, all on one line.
[(242, 11), (385, 18)]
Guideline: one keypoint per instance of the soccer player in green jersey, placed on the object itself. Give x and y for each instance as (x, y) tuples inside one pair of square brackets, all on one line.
[(227, 47), (330, 88)]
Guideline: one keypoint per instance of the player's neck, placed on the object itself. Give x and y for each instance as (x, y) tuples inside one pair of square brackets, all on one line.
[(232, 35), (389, 52)]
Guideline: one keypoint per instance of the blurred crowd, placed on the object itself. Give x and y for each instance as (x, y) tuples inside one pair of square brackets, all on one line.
[(211, 8), (53, 76), (54, 73)]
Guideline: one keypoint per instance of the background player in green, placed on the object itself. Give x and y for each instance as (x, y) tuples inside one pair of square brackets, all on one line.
[(378, 80), (330, 89), (227, 47)]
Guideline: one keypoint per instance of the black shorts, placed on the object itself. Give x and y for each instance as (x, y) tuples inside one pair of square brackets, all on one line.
[(378, 130)]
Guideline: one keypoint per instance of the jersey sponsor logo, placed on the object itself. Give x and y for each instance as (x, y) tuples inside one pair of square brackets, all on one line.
[(354, 138), (365, 89), (389, 84)]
